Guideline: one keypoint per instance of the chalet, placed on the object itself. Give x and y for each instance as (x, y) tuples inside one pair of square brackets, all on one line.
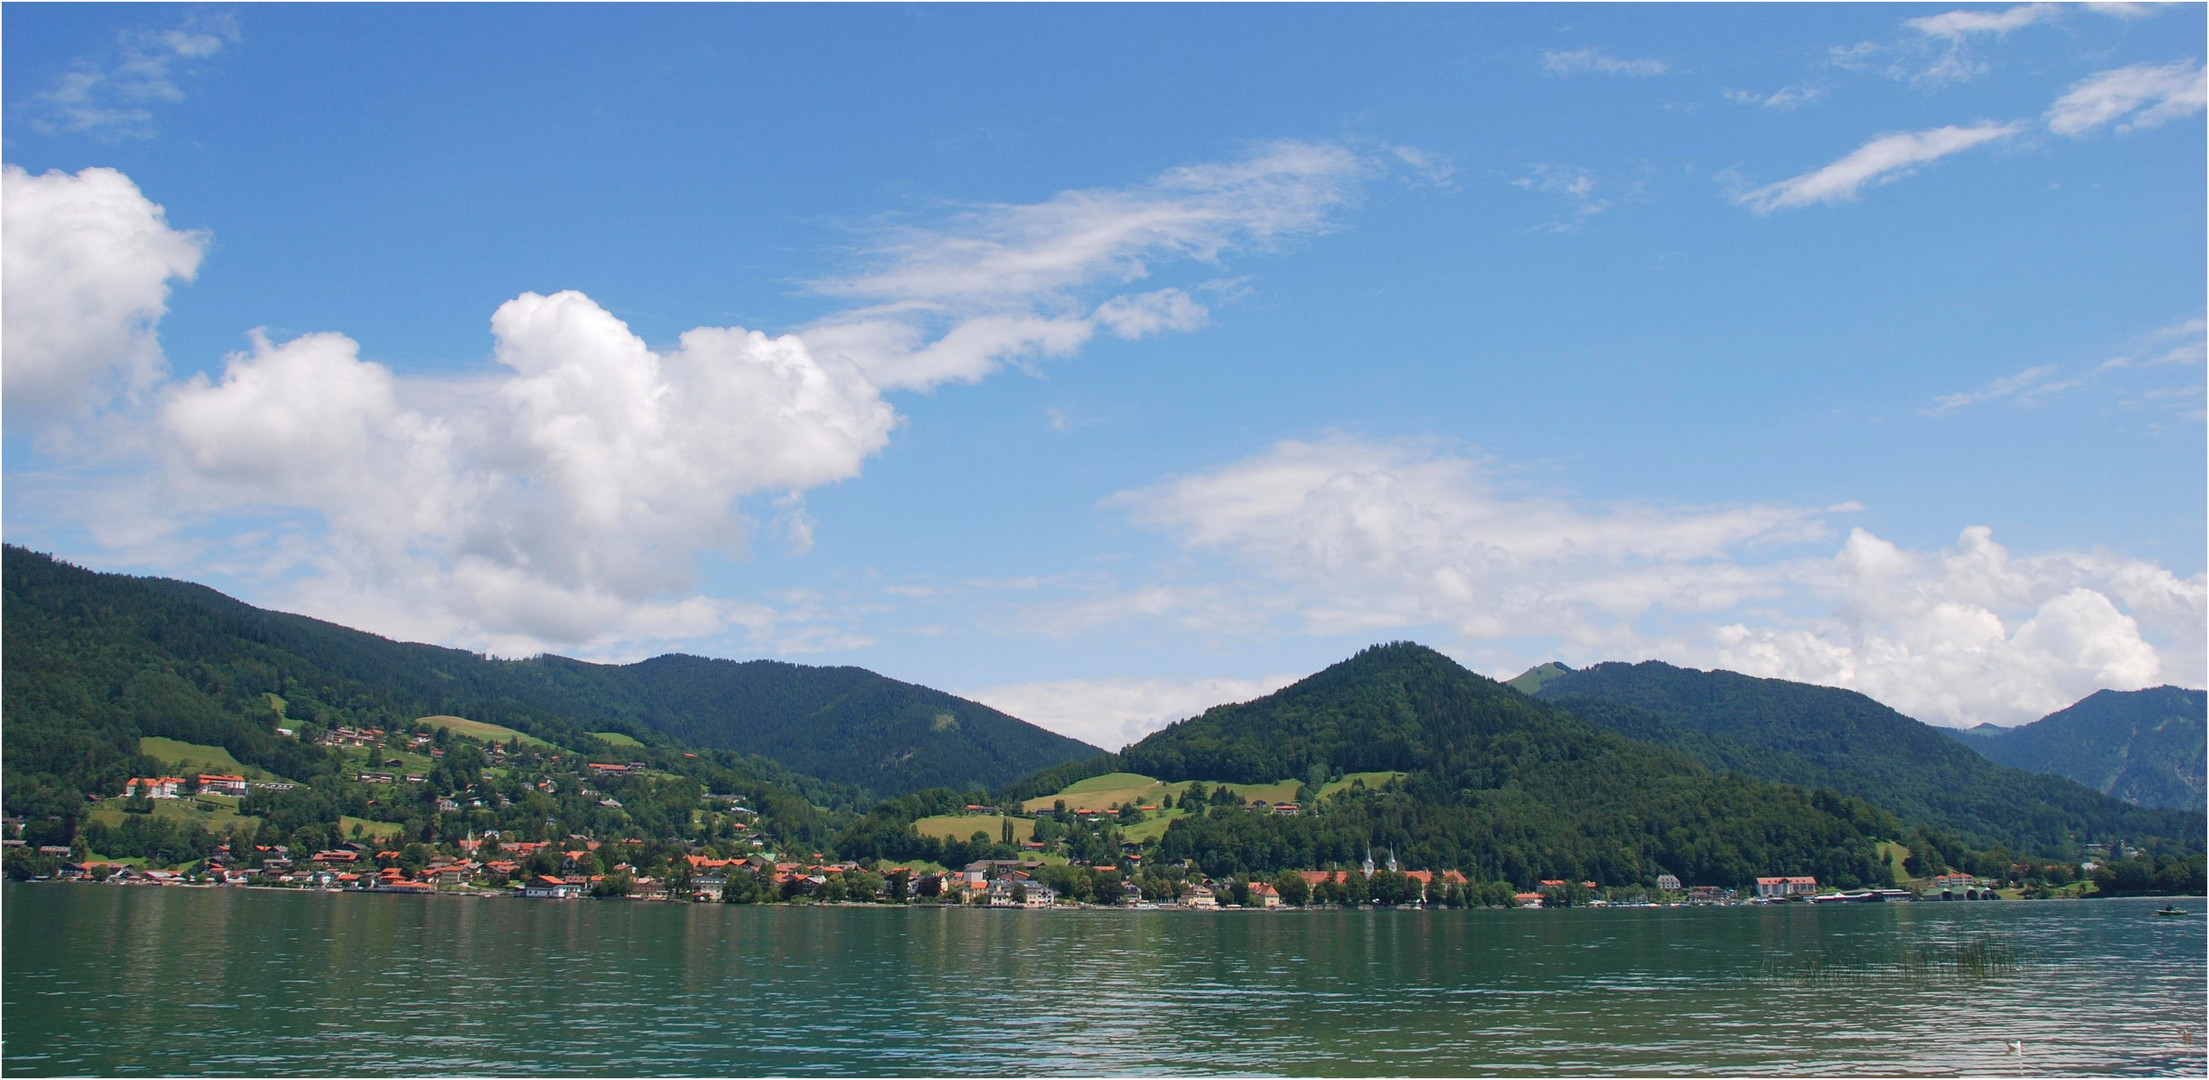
[(337, 855), (378, 778), (222, 785), (1784, 887), (1287, 809)]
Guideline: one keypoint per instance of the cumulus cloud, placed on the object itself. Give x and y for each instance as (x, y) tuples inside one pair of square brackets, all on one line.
[(1971, 633), (1882, 160), (1015, 283), (2136, 97), (87, 260), (1112, 713), (1350, 536), (1599, 62), (110, 97), (558, 501)]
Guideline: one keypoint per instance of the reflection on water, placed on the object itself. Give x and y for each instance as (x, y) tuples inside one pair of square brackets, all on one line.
[(113, 980)]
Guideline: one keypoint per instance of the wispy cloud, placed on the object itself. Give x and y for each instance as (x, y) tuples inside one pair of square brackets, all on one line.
[(1882, 160), (2140, 96), (1114, 712), (1957, 25), (2024, 388), (1782, 99), (1011, 283), (1600, 62), (110, 97), (1576, 184)]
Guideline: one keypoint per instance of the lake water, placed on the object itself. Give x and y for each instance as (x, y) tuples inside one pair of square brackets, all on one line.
[(121, 980)]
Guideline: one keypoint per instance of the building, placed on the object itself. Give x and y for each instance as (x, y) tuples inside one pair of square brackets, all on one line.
[(222, 785), (1668, 883), (1263, 895), (1200, 897), (1783, 887), (154, 787)]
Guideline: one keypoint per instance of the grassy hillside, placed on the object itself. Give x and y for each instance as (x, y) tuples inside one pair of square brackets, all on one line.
[(2142, 746), (1814, 735)]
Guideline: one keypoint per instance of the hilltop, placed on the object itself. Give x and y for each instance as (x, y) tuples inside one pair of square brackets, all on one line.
[(94, 662), (2142, 746), (1817, 735), (1494, 783)]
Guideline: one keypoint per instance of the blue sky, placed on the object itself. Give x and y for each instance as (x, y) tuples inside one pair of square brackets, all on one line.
[(1104, 363)]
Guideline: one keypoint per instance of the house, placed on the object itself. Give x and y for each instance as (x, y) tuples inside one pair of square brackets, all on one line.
[(378, 778), (1668, 883), (1263, 895), (1287, 809), (709, 889), (154, 787), (550, 888), (1784, 887), (1200, 896), (1527, 900), (222, 785)]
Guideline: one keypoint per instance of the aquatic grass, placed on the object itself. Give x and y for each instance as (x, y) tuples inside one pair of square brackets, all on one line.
[(1979, 959)]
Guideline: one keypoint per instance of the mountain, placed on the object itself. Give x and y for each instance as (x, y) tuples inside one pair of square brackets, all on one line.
[(1816, 735), (93, 662), (1499, 785), (2142, 746)]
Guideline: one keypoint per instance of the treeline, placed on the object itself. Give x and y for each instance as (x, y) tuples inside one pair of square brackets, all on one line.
[(1819, 736)]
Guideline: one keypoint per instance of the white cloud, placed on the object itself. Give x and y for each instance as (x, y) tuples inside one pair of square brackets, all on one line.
[(1112, 713), (109, 97), (1782, 99), (1973, 634), (555, 503), (1347, 536), (2027, 387), (1599, 62), (87, 261), (1011, 283), (1963, 24), (1882, 160), (1578, 185), (2140, 96)]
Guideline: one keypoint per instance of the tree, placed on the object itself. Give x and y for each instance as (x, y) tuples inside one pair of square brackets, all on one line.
[(1293, 888)]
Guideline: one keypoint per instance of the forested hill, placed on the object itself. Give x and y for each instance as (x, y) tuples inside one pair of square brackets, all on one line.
[(1500, 786), (1817, 735), (844, 724), (93, 661), (2142, 746)]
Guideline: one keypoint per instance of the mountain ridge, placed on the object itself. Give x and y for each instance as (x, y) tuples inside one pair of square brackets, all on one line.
[(2143, 746)]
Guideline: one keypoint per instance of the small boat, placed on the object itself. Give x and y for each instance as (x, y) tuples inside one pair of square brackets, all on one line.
[(2172, 909)]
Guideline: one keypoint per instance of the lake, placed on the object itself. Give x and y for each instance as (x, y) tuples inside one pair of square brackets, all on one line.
[(131, 980)]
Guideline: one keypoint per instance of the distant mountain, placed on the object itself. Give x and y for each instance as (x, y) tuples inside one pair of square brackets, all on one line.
[(1500, 785), (2142, 746), (94, 661), (1816, 735)]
